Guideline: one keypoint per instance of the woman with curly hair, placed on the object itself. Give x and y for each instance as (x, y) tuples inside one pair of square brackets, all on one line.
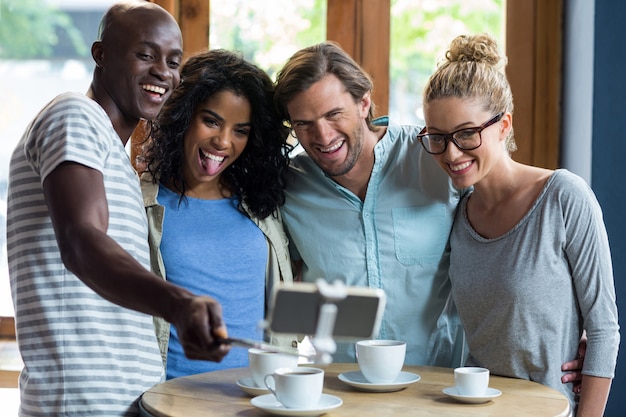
[(215, 179), (530, 262)]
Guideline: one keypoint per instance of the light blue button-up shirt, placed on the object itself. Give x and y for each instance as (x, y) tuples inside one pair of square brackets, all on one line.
[(396, 240)]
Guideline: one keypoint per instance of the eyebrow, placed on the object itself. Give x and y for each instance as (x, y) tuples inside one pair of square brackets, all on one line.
[(466, 125), (155, 46), (333, 110), (221, 119)]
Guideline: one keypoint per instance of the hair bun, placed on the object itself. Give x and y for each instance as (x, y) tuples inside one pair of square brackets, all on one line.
[(474, 48)]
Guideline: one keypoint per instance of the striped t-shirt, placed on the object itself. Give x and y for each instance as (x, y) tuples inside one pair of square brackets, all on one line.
[(83, 355)]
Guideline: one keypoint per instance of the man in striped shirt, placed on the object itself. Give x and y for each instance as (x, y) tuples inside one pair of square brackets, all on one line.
[(77, 234)]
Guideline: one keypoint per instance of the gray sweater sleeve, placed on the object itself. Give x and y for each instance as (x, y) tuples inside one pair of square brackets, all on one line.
[(588, 254)]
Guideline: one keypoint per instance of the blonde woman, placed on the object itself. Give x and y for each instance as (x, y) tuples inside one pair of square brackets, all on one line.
[(530, 263)]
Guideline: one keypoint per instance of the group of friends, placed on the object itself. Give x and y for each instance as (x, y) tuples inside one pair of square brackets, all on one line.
[(487, 261)]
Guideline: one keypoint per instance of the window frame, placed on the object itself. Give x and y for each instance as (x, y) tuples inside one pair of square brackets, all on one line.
[(534, 33)]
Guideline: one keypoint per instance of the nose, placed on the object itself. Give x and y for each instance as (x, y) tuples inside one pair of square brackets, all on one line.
[(323, 130), (221, 139), (452, 151), (162, 70)]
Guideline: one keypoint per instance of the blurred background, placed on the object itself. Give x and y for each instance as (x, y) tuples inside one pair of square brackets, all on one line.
[(45, 50)]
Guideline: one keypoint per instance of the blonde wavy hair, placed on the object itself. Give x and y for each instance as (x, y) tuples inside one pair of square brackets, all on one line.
[(473, 69)]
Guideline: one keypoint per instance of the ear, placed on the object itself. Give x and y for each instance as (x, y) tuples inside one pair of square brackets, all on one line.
[(365, 104), (506, 124), (97, 53)]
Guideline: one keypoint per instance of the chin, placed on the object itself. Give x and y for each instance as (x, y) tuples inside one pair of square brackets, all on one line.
[(149, 115), (461, 184)]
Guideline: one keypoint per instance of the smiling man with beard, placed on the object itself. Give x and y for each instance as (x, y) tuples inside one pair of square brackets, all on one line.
[(367, 206)]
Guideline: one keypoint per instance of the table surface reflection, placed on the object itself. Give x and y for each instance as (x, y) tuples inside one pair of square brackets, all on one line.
[(216, 394)]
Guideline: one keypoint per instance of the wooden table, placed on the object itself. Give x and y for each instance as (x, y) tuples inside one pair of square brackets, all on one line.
[(216, 394)]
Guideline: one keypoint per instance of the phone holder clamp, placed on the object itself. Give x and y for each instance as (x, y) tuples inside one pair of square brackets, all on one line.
[(323, 341)]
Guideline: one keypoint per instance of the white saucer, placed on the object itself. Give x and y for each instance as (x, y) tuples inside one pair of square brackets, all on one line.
[(488, 396), (249, 387), (269, 404), (357, 380)]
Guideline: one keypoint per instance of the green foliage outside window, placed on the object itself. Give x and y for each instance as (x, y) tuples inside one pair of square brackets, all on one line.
[(421, 31), (28, 29), (267, 32)]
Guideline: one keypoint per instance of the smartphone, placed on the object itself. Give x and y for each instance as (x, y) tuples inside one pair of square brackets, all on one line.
[(296, 309)]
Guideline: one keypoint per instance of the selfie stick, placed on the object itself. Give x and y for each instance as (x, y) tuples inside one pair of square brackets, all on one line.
[(323, 341)]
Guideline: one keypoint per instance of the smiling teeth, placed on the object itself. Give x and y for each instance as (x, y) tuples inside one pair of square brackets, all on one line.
[(211, 156), (460, 167), (154, 89), (332, 148)]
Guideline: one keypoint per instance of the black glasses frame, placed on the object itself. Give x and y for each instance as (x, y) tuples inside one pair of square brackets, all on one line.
[(449, 137)]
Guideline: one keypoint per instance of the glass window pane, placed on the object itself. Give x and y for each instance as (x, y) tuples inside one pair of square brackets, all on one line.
[(421, 31), (267, 32)]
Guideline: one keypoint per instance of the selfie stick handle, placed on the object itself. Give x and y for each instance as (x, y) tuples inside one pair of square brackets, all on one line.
[(323, 341)]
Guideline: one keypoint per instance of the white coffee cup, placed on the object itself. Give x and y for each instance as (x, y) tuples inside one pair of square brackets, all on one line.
[(380, 361), (471, 380), (263, 363), (298, 387)]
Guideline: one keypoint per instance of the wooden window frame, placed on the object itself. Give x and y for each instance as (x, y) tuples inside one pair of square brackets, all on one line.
[(534, 34), (362, 27)]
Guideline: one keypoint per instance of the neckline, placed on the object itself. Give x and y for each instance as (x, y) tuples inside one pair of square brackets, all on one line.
[(477, 236)]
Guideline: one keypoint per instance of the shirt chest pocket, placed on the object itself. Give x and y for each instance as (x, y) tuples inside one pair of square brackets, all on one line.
[(421, 233)]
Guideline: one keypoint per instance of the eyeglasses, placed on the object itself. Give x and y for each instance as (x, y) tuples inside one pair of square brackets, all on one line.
[(464, 139)]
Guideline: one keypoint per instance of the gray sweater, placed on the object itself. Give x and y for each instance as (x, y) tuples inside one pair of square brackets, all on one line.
[(525, 297)]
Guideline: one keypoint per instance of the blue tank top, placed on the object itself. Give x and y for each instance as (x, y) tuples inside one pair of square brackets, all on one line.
[(212, 248)]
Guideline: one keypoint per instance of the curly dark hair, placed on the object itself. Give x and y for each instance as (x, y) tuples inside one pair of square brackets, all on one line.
[(257, 177)]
